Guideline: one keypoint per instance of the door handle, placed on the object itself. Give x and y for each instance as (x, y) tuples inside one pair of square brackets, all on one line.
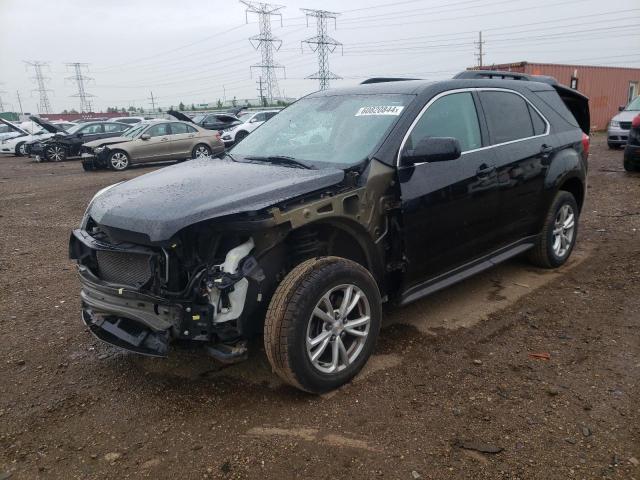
[(165, 139), (484, 170)]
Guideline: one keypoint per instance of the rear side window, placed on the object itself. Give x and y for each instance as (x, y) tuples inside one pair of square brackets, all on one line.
[(114, 127), (454, 116), (178, 128), (507, 116), (539, 125), (91, 129)]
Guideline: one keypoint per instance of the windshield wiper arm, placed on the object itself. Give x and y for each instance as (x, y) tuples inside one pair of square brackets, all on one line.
[(282, 160)]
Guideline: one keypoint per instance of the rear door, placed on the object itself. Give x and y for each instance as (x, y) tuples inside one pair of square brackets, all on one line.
[(181, 142), (519, 135), (449, 208)]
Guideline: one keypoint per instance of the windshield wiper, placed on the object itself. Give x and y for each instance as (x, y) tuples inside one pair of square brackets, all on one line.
[(282, 160)]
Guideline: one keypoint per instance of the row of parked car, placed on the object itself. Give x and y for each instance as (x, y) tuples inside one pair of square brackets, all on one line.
[(116, 143)]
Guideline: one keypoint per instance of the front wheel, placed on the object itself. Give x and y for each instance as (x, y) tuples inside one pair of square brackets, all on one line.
[(55, 153), (119, 160), (201, 151), (240, 136), (558, 237), (322, 323), (21, 149)]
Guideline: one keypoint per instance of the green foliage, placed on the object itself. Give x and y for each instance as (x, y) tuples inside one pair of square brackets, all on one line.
[(181, 106)]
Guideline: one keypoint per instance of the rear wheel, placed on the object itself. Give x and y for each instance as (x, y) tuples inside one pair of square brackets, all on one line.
[(55, 153), (201, 151), (119, 160), (558, 237), (21, 149), (322, 323)]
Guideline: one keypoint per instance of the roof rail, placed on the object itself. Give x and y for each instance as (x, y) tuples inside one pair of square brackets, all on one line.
[(504, 75), (385, 79)]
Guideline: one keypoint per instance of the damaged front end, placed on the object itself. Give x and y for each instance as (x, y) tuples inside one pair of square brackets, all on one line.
[(140, 297)]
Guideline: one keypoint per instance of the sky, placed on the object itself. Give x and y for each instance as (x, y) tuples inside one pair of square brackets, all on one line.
[(197, 51)]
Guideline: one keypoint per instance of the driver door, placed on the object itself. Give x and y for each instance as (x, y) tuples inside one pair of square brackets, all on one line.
[(449, 208)]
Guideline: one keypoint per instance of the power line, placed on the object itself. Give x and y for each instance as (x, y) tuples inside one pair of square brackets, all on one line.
[(323, 45), (44, 106), (80, 79), (266, 42)]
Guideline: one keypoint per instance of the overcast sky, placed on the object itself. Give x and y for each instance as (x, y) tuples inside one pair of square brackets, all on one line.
[(198, 51)]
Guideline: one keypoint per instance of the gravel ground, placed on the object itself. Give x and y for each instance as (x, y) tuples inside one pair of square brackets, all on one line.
[(470, 402)]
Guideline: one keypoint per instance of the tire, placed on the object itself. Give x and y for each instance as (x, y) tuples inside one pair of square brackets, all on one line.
[(240, 136), (118, 160), (291, 321), (201, 151), (20, 151), (55, 153), (629, 166), (556, 241)]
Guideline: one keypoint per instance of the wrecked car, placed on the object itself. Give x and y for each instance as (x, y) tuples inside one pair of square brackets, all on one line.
[(397, 190)]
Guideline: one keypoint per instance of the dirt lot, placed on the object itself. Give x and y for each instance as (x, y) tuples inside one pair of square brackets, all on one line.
[(452, 392)]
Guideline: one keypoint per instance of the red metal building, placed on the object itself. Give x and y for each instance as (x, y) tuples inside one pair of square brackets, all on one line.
[(607, 87)]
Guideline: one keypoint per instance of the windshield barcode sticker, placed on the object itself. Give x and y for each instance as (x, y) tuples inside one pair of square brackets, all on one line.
[(381, 110)]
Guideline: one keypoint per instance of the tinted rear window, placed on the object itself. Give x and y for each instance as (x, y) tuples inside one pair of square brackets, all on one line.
[(507, 116)]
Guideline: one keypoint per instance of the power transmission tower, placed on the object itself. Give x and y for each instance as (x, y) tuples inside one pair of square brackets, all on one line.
[(80, 79), (44, 106), (263, 99), (153, 102), (1, 103), (480, 55), (323, 45), (19, 102), (266, 43)]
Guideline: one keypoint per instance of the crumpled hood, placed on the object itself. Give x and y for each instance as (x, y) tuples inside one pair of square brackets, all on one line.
[(161, 203), (107, 141)]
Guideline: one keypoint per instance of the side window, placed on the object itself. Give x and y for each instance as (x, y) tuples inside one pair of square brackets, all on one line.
[(453, 115), (113, 127), (507, 116), (191, 129), (539, 125), (178, 128), (260, 117), (268, 115), (159, 130), (92, 129)]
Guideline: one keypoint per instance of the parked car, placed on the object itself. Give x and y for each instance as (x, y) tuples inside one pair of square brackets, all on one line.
[(632, 150), (66, 145), (10, 130), (618, 130), (412, 186), (210, 121), (19, 145), (152, 141), (250, 121), (129, 120)]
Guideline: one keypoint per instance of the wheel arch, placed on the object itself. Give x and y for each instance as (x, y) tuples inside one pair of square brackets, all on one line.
[(575, 186)]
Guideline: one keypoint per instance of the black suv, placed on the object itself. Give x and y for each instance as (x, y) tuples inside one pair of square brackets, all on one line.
[(348, 198), (65, 145), (632, 150)]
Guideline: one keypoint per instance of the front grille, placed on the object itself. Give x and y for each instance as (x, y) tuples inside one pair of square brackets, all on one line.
[(123, 267), (625, 125)]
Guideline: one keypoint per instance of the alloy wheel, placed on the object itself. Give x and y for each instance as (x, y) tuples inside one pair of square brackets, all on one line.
[(201, 152), (338, 328), (56, 153), (119, 161), (22, 149), (563, 230)]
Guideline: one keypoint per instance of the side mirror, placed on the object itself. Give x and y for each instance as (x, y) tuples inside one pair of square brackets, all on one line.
[(145, 136), (621, 108), (432, 149)]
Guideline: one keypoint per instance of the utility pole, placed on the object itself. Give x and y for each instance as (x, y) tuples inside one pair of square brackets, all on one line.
[(153, 103), (1, 103), (266, 43), (79, 78), (263, 100), (480, 55), (44, 106), (322, 44), (19, 102)]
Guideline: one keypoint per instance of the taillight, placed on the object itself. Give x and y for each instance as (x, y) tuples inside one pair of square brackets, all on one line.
[(635, 123), (585, 145)]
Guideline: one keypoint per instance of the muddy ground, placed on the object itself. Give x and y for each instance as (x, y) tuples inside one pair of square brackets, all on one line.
[(452, 392)]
